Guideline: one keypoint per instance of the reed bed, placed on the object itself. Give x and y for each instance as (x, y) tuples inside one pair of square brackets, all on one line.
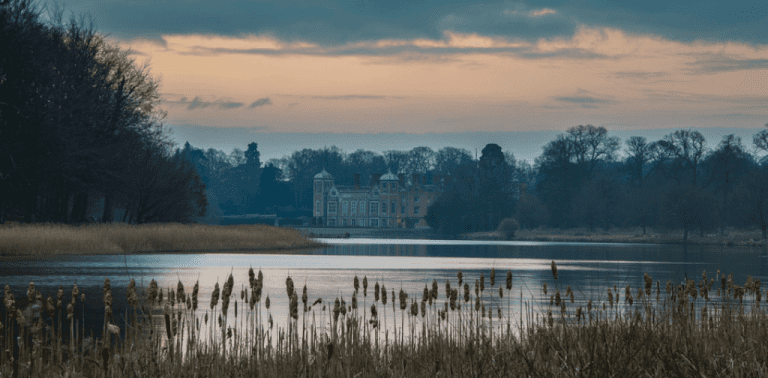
[(712, 327), (119, 238)]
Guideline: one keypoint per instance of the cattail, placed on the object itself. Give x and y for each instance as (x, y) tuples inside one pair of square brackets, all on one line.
[(426, 294), (354, 301), (551, 300), (509, 280), (188, 302), (448, 289), (195, 291), (628, 295), (374, 313), (152, 291), (317, 301), (589, 306), (557, 297), (383, 295), (466, 292), (649, 282), (336, 310), (365, 286), (304, 297), (70, 311), (133, 300), (403, 297), (501, 292), (294, 307), (433, 293), (545, 288), (214, 296), (376, 292), (180, 292), (289, 286), (60, 298), (251, 278), (423, 309), (498, 312), (266, 302), (31, 292), (482, 282), (454, 297), (477, 287), (226, 293), (172, 297), (554, 269), (669, 287), (256, 294), (393, 300), (343, 307), (459, 276), (75, 293), (610, 296), (50, 308), (82, 298), (356, 283), (242, 294), (493, 277), (477, 303), (270, 318)]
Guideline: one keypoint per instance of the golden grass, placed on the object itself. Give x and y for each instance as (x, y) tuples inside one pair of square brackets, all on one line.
[(118, 238), (710, 328)]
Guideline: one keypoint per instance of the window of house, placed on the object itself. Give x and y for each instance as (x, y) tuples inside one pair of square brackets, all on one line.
[(393, 210), (362, 207), (415, 199), (374, 222), (318, 208), (318, 187), (354, 207), (332, 207), (383, 187), (383, 208), (352, 222), (332, 222), (376, 191), (374, 208), (344, 207), (415, 210)]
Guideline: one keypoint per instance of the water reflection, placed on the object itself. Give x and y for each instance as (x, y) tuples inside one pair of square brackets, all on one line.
[(408, 264)]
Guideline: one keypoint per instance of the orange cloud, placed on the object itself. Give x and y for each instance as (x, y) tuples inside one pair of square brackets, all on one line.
[(489, 83)]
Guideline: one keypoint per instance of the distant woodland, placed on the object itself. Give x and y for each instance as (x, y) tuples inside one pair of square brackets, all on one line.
[(79, 119)]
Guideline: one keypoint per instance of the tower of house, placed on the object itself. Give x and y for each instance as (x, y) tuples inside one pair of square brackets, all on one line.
[(323, 182), (389, 198)]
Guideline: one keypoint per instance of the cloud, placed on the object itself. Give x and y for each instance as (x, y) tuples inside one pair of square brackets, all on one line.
[(260, 102), (582, 100), (542, 12), (723, 63), (198, 103), (642, 75)]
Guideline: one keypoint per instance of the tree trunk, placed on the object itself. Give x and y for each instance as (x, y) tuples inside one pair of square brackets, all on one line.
[(109, 209)]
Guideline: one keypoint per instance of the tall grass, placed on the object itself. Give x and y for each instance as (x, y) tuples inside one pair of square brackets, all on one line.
[(707, 328), (118, 238)]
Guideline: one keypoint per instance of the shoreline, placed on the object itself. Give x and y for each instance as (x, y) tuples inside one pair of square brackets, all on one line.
[(732, 239)]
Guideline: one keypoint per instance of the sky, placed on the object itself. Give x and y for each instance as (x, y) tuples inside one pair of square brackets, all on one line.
[(397, 74)]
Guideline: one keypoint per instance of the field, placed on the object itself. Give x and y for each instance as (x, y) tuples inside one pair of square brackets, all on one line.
[(48, 238), (713, 327)]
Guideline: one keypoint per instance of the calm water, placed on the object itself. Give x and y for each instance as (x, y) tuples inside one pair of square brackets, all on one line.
[(409, 264)]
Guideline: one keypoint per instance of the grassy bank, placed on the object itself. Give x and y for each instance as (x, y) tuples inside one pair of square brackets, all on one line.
[(710, 328), (629, 235), (118, 238)]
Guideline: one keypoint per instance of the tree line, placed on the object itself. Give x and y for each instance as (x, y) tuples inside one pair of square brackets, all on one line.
[(583, 178), (79, 121)]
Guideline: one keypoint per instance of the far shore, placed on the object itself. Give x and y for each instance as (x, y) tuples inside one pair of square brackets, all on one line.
[(628, 235), (50, 239)]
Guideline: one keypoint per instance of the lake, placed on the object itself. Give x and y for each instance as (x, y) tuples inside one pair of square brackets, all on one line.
[(405, 263)]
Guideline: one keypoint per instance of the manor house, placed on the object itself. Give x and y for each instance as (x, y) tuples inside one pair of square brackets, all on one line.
[(389, 201)]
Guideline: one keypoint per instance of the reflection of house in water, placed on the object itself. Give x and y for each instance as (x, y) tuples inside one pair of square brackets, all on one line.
[(380, 250), (389, 201)]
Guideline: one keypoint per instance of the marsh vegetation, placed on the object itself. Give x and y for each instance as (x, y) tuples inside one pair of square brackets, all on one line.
[(462, 327)]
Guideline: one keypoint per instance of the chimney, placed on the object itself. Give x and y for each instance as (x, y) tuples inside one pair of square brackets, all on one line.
[(375, 179), (416, 179), (401, 177), (357, 180)]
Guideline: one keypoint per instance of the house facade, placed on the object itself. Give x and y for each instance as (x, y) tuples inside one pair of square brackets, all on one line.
[(390, 201)]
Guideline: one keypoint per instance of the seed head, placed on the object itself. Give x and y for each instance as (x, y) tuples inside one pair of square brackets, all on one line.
[(289, 286), (433, 293), (403, 297), (554, 269), (447, 289), (356, 284), (374, 313), (251, 277), (376, 292), (509, 280), (294, 307), (545, 288), (482, 282), (493, 277), (354, 301), (31, 291), (195, 292), (266, 302), (365, 286), (304, 296), (501, 292), (336, 309), (466, 292), (423, 309), (459, 276), (649, 282), (383, 294), (180, 292), (133, 300), (152, 291)]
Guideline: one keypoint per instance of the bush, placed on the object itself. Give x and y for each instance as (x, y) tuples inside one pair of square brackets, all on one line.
[(507, 228)]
